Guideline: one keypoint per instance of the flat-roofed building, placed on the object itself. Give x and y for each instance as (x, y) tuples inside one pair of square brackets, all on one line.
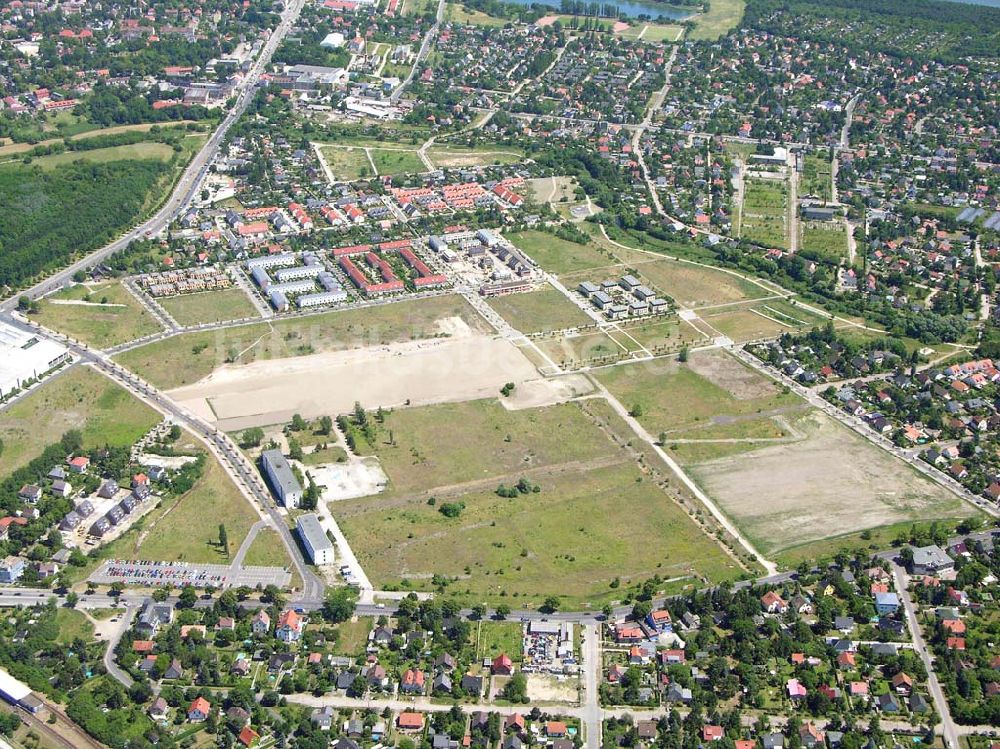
[(286, 487), (314, 539)]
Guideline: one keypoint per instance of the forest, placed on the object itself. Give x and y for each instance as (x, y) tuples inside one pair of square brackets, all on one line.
[(46, 217), (936, 28)]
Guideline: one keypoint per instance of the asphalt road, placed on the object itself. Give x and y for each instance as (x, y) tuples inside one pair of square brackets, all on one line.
[(933, 685)]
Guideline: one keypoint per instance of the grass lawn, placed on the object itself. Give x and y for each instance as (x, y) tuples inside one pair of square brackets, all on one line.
[(670, 331), (654, 32), (353, 636), (559, 256), (149, 150), (184, 359), (187, 528), (73, 624), (453, 443), (722, 16), (209, 306), (458, 13), (347, 163), (111, 316), (79, 398), (394, 162), (267, 550), (537, 311), (712, 388), (580, 530), (494, 638)]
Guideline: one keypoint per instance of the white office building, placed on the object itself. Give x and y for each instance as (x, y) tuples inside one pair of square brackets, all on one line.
[(314, 539)]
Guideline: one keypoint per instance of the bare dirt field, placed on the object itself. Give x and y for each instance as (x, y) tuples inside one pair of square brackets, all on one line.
[(546, 688), (830, 483), (730, 374), (421, 372)]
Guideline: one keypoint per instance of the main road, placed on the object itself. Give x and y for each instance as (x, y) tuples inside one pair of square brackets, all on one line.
[(190, 181)]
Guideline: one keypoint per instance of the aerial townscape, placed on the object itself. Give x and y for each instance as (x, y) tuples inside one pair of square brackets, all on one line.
[(499, 374)]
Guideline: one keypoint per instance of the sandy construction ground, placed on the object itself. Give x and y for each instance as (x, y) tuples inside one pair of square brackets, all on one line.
[(360, 477), (831, 483), (547, 688), (421, 372)]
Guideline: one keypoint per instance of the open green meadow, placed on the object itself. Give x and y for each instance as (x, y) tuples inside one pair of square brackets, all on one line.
[(560, 256), (682, 399), (101, 315), (186, 529), (80, 398), (443, 445), (582, 528), (209, 306), (722, 17), (538, 311)]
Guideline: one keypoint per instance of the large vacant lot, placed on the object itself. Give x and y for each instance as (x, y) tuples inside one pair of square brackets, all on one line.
[(76, 399), (538, 311), (417, 372), (187, 529), (831, 482), (688, 284), (184, 359), (101, 315), (558, 255), (582, 529), (711, 396), (454, 444), (209, 306)]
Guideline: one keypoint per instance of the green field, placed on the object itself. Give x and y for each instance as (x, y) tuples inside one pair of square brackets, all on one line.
[(347, 163), (209, 306), (765, 213), (583, 529), (713, 389), (80, 398), (72, 625), (148, 150), (456, 443), (537, 311), (653, 32), (494, 638), (396, 161), (111, 316), (558, 255), (266, 550), (690, 285), (458, 13), (184, 359), (187, 528), (722, 17), (581, 348)]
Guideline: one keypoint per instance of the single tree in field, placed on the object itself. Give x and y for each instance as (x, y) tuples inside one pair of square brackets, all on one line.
[(223, 539)]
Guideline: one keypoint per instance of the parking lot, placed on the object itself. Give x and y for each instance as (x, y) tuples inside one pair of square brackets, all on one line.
[(177, 574)]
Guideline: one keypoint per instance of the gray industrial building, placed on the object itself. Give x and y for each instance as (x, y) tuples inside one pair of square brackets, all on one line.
[(314, 539), (279, 474)]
